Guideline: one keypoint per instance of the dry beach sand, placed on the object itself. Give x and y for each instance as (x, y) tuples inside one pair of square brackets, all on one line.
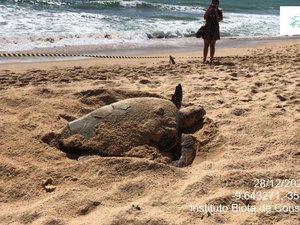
[(251, 131)]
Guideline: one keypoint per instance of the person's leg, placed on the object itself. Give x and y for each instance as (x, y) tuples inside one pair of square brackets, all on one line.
[(212, 44), (205, 49)]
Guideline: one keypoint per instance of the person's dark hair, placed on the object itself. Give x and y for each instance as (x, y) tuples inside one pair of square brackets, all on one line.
[(217, 1)]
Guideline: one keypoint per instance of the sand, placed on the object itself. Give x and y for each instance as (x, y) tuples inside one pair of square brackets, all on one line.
[(251, 131)]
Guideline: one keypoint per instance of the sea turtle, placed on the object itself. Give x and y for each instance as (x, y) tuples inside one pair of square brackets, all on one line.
[(131, 127)]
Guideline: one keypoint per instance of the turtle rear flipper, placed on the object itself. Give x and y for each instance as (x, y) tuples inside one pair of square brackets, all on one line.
[(177, 96), (188, 151)]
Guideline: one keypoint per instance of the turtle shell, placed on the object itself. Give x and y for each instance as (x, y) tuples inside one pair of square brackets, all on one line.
[(116, 129)]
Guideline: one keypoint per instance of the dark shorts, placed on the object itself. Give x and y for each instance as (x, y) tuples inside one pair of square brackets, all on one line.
[(212, 32)]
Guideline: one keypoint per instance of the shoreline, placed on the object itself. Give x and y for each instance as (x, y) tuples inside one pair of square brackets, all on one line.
[(159, 46), (225, 47)]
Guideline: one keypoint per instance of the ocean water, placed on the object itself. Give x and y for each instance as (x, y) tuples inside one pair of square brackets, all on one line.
[(28, 24)]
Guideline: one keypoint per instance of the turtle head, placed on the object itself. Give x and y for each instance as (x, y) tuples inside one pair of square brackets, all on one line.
[(190, 116)]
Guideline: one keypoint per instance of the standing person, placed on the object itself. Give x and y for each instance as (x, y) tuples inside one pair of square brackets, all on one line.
[(212, 16)]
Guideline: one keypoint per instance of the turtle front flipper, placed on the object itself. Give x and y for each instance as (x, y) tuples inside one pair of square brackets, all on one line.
[(177, 96), (188, 151)]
